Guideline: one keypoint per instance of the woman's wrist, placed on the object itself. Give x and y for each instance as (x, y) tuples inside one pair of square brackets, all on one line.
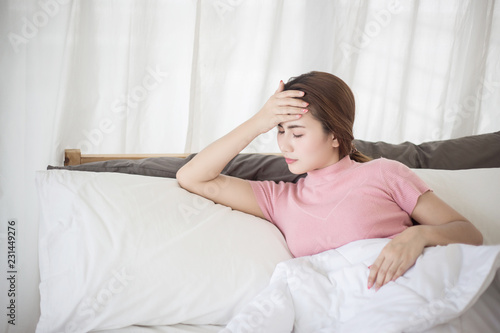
[(420, 234), (260, 124), (448, 233)]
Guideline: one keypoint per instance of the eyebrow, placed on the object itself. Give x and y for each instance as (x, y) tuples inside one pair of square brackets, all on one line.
[(292, 126)]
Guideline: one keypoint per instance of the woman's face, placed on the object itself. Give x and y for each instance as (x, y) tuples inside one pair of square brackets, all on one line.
[(305, 145)]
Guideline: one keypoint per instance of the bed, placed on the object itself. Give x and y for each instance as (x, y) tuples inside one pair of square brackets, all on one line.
[(122, 248)]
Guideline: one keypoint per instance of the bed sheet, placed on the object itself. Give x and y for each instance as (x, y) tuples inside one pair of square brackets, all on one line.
[(166, 329), (484, 315), (481, 317)]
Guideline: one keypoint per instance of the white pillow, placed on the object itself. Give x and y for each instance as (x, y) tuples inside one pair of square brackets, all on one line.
[(474, 193), (118, 249)]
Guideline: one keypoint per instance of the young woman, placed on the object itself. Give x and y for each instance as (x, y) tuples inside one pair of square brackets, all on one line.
[(345, 195)]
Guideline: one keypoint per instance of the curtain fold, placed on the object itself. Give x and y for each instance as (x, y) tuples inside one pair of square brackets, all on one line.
[(171, 76)]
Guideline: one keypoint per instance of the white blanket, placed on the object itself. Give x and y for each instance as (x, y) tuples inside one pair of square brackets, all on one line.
[(328, 292)]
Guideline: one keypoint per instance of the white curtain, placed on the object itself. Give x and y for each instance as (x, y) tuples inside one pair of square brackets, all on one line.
[(169, 76)]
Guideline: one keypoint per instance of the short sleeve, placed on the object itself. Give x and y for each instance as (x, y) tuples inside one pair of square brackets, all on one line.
[(403, 185), (265, 192)]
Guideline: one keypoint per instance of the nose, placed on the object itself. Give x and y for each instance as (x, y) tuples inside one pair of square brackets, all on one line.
[(285, 147)]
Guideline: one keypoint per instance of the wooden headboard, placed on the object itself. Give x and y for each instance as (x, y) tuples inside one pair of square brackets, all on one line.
[(75, 157)]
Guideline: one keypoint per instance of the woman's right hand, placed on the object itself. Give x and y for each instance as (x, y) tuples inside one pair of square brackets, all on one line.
[(281, 107)]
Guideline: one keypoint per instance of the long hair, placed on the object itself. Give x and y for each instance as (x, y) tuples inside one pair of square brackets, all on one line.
[(331, 101)]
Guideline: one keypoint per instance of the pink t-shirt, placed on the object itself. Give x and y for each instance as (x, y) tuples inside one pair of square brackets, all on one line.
[(341, 203)]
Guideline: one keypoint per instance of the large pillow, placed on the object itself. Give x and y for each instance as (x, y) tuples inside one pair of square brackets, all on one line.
[(469, 152), (477, 151), (474, 193), (118, 249)]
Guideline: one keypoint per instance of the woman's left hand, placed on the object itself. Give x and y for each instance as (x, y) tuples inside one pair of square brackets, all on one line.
[(396, 257)]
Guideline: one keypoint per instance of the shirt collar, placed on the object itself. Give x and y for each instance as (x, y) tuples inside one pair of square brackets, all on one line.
[(330, 172)]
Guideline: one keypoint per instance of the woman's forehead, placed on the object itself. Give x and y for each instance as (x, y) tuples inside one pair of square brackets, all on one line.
[(307, 120)]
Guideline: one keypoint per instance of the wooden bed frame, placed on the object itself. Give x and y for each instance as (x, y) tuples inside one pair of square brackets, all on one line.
[(75, 157)]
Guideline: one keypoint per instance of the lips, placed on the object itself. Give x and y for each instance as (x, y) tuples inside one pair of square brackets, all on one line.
[(290, 161)]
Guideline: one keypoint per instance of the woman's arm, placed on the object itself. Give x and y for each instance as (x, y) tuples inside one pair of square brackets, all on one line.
[(202, 175), (440, 224)]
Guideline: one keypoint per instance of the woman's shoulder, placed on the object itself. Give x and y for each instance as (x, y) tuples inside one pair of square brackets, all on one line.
[(386, 163), (388, 168), (395, 172), (377, 163)]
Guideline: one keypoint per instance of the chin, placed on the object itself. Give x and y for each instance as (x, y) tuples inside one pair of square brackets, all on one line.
[(296, 170)]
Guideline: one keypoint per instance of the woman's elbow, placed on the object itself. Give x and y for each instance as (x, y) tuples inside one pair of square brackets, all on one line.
[(182, 178), (475, 236), (478, 237)]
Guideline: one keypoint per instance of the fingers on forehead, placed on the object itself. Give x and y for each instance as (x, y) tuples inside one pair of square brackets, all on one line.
[(293, 93)]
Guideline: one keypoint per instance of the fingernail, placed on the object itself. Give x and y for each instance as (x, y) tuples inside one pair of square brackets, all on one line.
[(305, 110), (298, 116)]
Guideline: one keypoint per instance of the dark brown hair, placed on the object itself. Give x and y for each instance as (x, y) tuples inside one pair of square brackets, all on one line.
[(331, 101)]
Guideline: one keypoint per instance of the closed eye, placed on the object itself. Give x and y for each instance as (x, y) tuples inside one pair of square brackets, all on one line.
[(295, 136)]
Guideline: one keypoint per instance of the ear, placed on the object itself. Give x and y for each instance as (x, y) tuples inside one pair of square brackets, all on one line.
[(335, 141)]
